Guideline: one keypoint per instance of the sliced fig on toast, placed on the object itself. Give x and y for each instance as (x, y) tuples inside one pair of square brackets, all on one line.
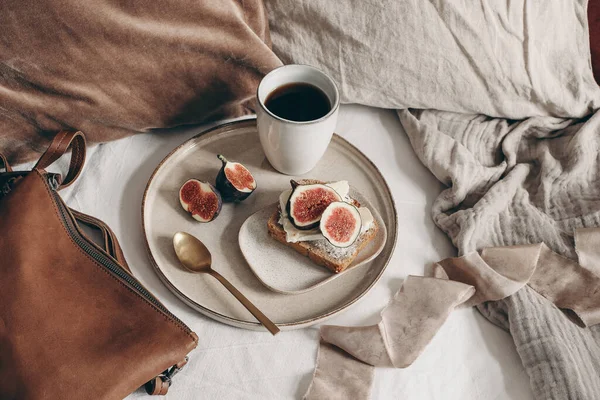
[(307, 203), (341, 224), (234, 181), (200, 199)]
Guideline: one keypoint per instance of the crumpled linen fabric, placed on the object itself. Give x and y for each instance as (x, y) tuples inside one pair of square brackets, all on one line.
[(511, 59), (522, 182), (347, 355)]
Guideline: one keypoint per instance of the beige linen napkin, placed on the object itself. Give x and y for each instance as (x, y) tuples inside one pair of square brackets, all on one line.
[(347, 355)]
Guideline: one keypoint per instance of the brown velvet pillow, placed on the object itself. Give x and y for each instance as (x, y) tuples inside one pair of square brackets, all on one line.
[(594, 23), (112, 68)]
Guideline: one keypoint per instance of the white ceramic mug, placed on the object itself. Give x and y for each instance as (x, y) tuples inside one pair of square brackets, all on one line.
[(294, 147)]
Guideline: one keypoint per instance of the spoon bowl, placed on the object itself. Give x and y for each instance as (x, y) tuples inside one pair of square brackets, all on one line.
[(196, 258), (191, 252)]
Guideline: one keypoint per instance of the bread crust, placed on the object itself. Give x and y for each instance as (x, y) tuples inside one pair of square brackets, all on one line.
[(317, 255)]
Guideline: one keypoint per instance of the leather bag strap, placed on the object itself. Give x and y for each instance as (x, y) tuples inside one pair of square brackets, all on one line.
[(59, 146), (4, 163)]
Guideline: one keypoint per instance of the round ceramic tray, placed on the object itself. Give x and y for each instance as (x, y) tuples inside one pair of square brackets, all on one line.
[(162, 216)]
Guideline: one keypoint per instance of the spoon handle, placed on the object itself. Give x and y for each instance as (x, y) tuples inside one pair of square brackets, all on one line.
[(247, 303)]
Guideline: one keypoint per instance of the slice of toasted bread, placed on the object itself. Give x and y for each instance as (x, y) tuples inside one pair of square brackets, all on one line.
[(321, 251)]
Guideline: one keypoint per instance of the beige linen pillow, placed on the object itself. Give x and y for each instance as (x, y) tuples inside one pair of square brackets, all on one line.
[(113, 68), (504, 58)]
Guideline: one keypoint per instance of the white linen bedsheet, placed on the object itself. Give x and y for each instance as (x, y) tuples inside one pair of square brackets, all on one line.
[(468, 359)]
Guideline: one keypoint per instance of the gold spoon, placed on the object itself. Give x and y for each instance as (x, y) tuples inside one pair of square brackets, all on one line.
[(195, 257)]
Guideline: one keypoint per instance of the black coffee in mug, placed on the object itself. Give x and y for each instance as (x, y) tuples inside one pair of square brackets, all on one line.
[(298, 102), (295, 119)]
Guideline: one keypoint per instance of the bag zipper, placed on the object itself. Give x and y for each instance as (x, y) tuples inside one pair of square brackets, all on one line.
[(104, 260)]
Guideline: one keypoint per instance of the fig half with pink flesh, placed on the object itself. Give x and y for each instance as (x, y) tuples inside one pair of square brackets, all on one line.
[(234, 181), (307, 203), (200, 199), (341, 224)]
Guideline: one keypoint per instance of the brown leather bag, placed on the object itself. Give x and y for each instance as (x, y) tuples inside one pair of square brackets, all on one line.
[(74, 322)]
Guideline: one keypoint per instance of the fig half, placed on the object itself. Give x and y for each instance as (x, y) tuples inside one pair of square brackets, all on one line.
[(234, 181), (341, 224), (307, 203), (200, 199)]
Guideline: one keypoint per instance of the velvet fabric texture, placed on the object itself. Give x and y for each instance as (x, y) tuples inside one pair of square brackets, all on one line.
[(112, 68)]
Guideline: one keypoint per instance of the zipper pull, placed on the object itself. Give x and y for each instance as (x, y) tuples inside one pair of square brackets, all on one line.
[(53, 180), (161, 384), (176, 368)]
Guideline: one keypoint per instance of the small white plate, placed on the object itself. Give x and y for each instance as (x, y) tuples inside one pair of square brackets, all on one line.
[(284, 270)]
